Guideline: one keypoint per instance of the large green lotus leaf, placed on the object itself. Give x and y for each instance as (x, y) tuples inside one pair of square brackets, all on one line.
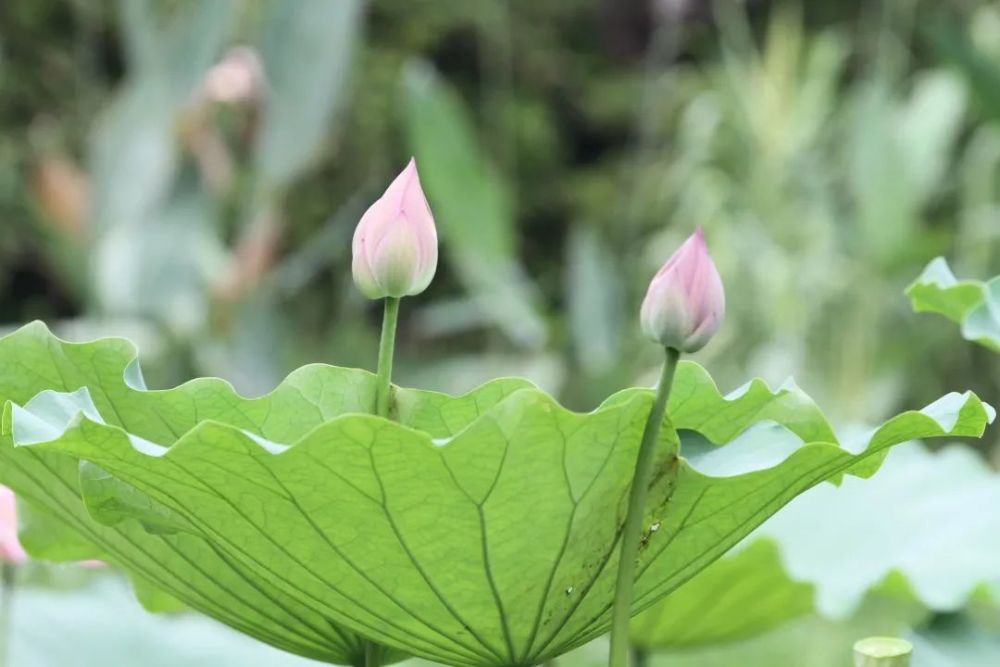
[(973, 304), (196, 572), (492, 546)]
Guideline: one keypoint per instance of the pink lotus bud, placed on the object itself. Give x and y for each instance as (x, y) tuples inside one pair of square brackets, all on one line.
[(10, 547), (395, 244), (685, 303)]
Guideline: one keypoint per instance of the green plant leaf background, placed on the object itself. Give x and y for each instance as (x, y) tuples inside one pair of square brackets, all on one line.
[(478, 530)]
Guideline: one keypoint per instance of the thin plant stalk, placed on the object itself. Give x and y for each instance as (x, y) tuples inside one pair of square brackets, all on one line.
[(8, 580), (632, 532), (386, 349), (383, 389)]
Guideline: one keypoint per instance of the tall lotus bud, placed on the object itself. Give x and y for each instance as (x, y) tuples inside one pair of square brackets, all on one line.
[(395, 244), (685, 303)]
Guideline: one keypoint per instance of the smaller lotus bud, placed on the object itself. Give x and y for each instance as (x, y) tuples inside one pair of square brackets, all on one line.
[(395, 244), (685, 303), (10, 548)]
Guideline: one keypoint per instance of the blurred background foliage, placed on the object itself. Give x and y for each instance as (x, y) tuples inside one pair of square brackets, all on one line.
[(189, 174)]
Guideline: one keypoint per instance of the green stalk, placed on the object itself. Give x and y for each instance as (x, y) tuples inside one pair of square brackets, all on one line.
[(385, 351), (383, 390), (8, 581), (632, 532)]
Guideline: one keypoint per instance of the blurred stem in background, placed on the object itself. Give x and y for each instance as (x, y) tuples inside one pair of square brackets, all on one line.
[(8, 582)]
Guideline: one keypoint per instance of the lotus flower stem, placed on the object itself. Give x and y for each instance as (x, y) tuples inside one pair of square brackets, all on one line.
[(383, 389), (8, 580), (385, 353), (632, 532)]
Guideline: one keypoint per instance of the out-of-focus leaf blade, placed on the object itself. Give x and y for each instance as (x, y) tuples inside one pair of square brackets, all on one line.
[(132, 143), (957, 49), (174, 44), (99, 626), (307, 48), (595, 297), (893, 525), (928, 126), (472, 205), (888, 200), (739, 596), (162, 268), (132, 148), (154, 244)]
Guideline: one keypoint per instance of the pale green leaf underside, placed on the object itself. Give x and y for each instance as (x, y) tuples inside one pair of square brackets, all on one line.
[(973, 304), (479, 531)]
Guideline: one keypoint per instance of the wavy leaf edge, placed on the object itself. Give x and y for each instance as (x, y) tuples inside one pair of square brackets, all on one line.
[(689, 373)]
